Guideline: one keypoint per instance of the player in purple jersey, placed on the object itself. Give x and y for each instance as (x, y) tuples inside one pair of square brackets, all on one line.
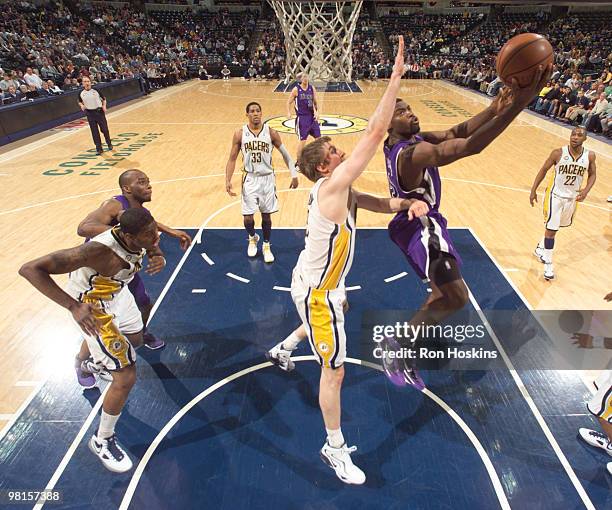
[(303, 101), (412, 161), (136, 190)]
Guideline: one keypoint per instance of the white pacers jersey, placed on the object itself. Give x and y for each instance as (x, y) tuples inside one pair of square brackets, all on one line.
[(569, 173), (85, 282), (328, 255), (257, 151)]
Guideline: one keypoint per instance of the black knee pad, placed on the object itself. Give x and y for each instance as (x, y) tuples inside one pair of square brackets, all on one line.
[(443, 269)]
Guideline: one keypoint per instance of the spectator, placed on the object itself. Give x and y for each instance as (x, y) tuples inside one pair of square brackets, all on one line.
[(11, 96), (592, 121)]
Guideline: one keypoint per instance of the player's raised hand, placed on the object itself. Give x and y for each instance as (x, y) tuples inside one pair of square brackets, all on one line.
[(522, 96), (582, 340), (398, 67), (417, 209), (294, 183), (228, 188), (83, 314), (608, 297), (156, 264), (533, 197), (502, 101)]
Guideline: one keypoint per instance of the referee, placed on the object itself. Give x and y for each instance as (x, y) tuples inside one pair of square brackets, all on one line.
[(93, 103)]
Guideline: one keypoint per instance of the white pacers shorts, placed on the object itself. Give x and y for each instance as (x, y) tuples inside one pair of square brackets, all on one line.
[(601, 403), (558, 211), (259, 194), (322, 314), (116, 318)]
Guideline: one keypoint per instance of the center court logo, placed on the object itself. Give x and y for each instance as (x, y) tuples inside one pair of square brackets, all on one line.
[(330, 124)]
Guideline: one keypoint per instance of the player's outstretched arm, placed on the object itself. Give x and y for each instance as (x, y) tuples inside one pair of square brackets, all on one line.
[(426, 154), (415, 208), (231, 162), (591, 180), (552, 159), (100, 220), (38, 272), (375, 133), (278, 143)]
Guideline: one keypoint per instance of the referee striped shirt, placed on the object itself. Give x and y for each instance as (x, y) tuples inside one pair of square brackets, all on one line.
[(92, 99)]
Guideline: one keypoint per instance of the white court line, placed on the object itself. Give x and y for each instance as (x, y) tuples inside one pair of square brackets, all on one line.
[(20, 410), (586, 382), (284, 289), (239, 278), (354, 287), (75, 443), (198, 291), (20, 151), (396, 277), (28, 383), (532, 406), (138, 472), (208, 260)]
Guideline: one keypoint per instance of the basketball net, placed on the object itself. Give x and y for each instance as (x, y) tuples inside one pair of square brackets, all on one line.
[(318, 38)]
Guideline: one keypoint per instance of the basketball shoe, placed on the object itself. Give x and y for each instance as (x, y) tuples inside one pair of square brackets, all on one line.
[(111, 454), (281, 357), (86, 372), (252, 249), (152, 342), (549, 274), (339, 459), (539, 253), (596, 439), (400, 371), (267, 253)]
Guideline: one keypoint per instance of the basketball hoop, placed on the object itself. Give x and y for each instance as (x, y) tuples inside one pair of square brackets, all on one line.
[(318, 38)]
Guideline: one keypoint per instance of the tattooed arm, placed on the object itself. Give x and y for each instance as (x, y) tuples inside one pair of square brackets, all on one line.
[(38, 272)]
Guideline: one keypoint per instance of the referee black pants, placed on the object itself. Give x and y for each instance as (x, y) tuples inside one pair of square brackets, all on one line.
[(97, 119)]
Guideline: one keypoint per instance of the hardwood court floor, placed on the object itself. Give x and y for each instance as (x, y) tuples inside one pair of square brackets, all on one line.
[(181, 138)]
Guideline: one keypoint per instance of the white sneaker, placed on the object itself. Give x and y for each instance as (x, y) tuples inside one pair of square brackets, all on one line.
[(539, 253), (281, 357), (339, 459), (267, 253), (549, 274), (252, 249), (596, 439), (110, 453), (89, 366)]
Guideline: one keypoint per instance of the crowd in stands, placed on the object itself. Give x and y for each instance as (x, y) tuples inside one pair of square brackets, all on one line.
[(580, 90), (54, 47)]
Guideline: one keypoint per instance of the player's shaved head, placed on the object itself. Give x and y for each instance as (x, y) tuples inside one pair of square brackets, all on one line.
[(127, 177), (579, 130)]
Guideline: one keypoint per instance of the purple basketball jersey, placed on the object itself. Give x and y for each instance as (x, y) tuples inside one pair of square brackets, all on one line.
[(420, 239), (430, 189), (304, 102)]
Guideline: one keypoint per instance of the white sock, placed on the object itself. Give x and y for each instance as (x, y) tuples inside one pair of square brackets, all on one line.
[(541, 243), (548, 256), (291, 342), (335, 438), (107, 425)]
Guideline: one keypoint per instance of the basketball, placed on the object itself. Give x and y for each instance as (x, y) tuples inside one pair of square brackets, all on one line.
[(520, 57)]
